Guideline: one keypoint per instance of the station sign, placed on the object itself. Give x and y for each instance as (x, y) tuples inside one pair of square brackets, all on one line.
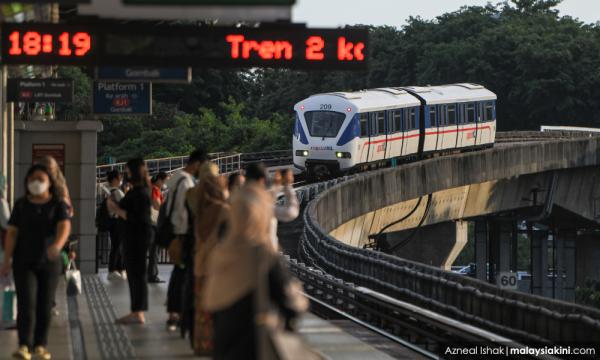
[(118, 98), (164, 45), (507, 280), (57, 151), (156, 75), (40, 90)]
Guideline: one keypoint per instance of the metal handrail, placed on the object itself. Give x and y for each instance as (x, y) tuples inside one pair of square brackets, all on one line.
[(228, 162)]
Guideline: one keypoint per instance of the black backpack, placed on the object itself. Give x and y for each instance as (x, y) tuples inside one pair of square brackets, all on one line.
[(103, 218), (164, 227)]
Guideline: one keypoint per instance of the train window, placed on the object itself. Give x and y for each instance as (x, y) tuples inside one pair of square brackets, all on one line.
[(412, 119), (432, 117), (380, 115), (442, 116), (364, 125), (397, 120), (452, 114), (489, 111), (373, 124), (324, 123), (471, 113)]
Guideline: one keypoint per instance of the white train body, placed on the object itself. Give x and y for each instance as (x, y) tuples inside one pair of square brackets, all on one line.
[(338, 132)]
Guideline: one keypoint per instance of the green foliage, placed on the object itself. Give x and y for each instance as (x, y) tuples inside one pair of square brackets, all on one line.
[(589, 294)]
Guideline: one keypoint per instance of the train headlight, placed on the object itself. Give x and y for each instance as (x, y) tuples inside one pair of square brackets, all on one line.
[(343, 155), (302, 153)]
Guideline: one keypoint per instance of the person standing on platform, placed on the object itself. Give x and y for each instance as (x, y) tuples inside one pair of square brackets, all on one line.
[(243, 268), (178, 186), (290, 208), (157, 200), (116, 265), (38, 229), (4, 217), (134, 208)]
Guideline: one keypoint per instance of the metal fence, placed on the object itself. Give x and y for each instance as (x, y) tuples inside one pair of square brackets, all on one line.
[(227, 162), (103, 251)]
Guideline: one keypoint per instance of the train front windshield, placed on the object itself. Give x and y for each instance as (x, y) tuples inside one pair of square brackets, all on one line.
[(324, 123)]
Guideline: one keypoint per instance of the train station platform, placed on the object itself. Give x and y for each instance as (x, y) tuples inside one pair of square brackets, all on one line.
[(84, 328)]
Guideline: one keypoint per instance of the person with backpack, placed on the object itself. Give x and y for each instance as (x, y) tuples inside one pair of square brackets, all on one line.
[(174, 231), (116, 264)]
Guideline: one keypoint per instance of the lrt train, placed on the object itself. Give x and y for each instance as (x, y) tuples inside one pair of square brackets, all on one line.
[(343, 132)]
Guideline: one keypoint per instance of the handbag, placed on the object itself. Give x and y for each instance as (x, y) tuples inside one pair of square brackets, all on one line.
[(175, 251), (73, 277), (274, 342)]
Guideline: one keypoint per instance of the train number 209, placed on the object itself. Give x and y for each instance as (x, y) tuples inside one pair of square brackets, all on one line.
[(325, 107)]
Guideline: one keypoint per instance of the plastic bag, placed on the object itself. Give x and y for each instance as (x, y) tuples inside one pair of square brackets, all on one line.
[(9, 300), (73, 277)]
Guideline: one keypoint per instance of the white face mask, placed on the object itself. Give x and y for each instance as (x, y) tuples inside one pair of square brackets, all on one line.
[(37, 187)]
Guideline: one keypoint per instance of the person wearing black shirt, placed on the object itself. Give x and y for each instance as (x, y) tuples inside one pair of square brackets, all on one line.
[(38, 229), (134, 208)]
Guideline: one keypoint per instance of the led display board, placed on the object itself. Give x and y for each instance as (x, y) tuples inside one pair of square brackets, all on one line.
[(166, 45)]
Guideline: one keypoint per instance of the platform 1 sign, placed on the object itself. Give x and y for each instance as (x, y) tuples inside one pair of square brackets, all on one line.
[(162, 45), (147, 74), (119, 98), (40, 90)]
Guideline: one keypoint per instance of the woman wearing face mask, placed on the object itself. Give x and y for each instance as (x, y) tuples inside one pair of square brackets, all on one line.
[(38, 229), (135, 210)]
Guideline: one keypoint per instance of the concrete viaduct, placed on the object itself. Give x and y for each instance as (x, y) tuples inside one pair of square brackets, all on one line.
[(559, 170)]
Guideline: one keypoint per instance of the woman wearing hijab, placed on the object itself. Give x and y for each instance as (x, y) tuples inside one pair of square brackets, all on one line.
[(210, 218), (236, 268), (37, 231), (134, 208)]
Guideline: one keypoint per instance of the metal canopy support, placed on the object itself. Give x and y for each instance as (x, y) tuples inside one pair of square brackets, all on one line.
[(481, 249)]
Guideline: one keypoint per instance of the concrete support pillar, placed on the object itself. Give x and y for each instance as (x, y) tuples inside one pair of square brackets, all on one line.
[(436, 245), (74, 145), (481, 249), (504, 248), (564, 286), (539, 263), (587, 258)]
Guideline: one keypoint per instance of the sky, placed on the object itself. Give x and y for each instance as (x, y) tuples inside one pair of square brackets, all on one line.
[(334, 13)]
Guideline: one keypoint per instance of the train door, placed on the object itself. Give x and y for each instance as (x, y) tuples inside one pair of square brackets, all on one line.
[(363, 151), (478, 123), (377, 132), (412, 135), (461, 124), (431, 129), (469, 131), (395, 135)]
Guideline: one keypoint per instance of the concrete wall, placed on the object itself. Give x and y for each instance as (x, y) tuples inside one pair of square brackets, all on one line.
[(577, 190), (80, 141), (377, 190)]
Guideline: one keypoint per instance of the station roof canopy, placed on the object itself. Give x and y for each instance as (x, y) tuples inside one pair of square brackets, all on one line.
[(223, 11)]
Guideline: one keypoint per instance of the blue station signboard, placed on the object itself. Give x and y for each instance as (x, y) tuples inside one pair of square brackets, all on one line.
[(122, 98)]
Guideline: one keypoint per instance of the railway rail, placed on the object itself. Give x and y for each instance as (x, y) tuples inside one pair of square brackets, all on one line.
[(424, 332)]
